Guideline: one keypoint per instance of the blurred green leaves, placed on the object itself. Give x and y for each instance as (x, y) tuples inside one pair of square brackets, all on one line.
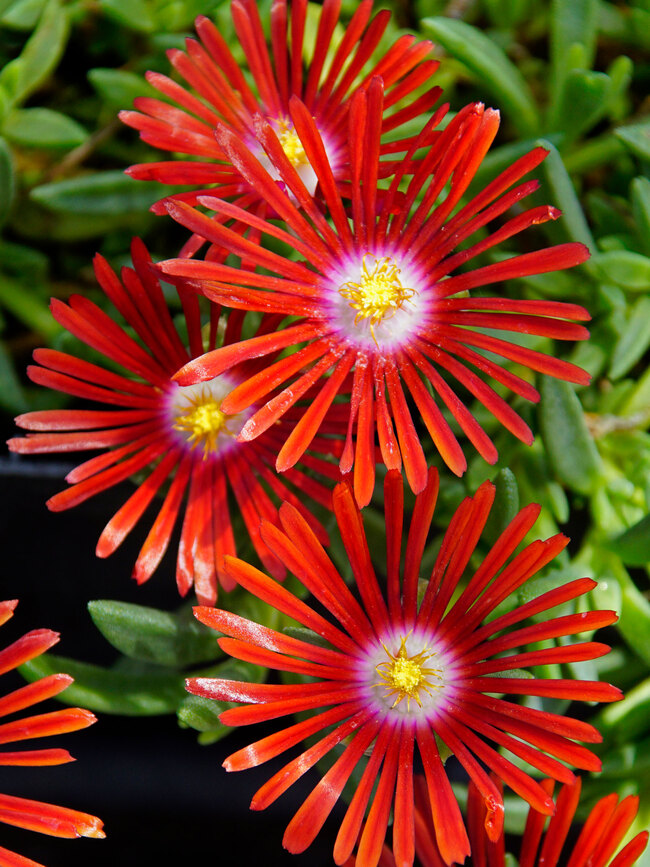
[(484, 59), (40, 55)]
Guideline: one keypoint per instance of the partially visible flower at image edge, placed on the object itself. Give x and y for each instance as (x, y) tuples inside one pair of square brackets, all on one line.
[(21, 812), (377, 311), (148, 423), (398, 671), (597, 845), (218, 94)]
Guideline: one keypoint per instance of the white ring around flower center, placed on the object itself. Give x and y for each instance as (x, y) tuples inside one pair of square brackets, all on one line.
[(376, 300), (406, 674), (196, 419)]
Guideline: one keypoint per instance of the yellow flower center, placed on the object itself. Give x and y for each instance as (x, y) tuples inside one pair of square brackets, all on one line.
[(379, 294), (404, 676), (202, 420), (291, 144)]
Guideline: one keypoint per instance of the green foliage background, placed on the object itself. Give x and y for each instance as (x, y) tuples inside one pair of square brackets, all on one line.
[(572, 74)]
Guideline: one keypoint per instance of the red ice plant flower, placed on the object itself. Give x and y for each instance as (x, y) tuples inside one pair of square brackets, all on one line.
[(21, 812), (596, 846), (223, 97), (179, 434), (397, 672), (375, 310)]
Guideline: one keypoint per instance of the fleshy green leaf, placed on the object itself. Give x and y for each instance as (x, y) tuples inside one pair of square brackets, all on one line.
[(6, 181), (563, 195), (541, 584), (21, 14), (640, 190), (132, 13), (144, 691), (118, 87), (487, 61), (571, 450), (506, 504), (626, 720), (634, 622), (99, 194), (39, 57), (27, 307), (149, 635), (637, 138), (584, 101), (41, 127), (12, 396), (634, 340), (624, 268), (633, 546), (573, 25)]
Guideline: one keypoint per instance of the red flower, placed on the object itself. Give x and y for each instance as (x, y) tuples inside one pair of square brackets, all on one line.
[(601, 836), (21, 812), (373, 304), (225, 99), (179, 434), (398, 671)]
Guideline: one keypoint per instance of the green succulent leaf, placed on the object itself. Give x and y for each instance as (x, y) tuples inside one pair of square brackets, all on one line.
[(634, 340), (506, 504), (491, 66), (42, 52), (43, 128), (624, 268), (27, 307), (134, 14), (7, 183), (573, 40), (633, 546), (154, 636), (561, 192), (99, 194), (640, 190), (12, 395), (21, 14), (636, 136), (628, 719), (570, 447), (118, 87), (584, 101), (143, 690)]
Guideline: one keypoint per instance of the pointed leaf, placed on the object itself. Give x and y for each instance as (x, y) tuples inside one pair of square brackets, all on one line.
[(147, 691), (488, 62), (149, 635), (6, 181), (101, 193), (41, 127), (633, 546), (562, 194), (39, 57), (634, 340), (570, 447)]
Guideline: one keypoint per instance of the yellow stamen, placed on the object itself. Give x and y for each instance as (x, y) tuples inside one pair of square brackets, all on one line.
[(203, 420), (379, 294), (291, 144), (404, 676)]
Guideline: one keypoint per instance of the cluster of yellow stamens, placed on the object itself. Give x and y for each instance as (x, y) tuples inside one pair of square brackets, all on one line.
[(202, 420), (291, 144), (379, 294), (403, 676)]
